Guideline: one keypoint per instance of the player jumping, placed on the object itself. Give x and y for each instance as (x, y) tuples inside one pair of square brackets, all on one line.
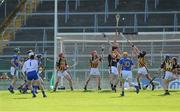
[(142, 70), (94, 72), (113, 59)]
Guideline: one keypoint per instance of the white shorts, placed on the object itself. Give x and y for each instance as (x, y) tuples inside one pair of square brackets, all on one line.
[(62, 73), (169, 76), (126, 74), (114, 70), (94, 71), (14, 72), (142, 70)]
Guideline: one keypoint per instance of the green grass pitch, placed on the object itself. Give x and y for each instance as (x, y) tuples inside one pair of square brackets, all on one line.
[(104, 100)]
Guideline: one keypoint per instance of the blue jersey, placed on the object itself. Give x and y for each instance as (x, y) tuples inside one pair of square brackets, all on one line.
[(126, 63), (16, 59)]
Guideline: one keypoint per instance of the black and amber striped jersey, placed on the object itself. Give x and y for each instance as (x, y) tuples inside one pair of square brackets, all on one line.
[(61, 64), (141, 61), (113, 59), (167, 65), (94, 61)]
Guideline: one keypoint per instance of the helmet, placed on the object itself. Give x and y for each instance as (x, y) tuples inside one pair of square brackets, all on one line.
[(29, 51), (174, 59), (39, 56), (167, 56), (125, 53), (31, 54), (61, 54), (142, 53), (115, 46), (93, 52), (17, 50)]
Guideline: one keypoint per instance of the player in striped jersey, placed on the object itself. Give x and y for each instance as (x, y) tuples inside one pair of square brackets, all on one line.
[(171, 68), (62, 67), (94, 71), (113, 59), (142, 70)]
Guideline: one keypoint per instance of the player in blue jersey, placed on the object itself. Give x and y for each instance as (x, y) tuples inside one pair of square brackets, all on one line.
[(15, 68), (125, 66), (24, 87), (30, 68)]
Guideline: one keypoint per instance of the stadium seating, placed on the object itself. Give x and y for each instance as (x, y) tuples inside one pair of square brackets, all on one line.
[(48, 6), (124, 5), (10, 6)]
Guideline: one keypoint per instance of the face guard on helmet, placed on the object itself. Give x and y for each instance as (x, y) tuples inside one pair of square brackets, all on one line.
[(17, 50), (167, 57), (31, 54), (174, 59), (142, 53), (94, 53), (61, 55)]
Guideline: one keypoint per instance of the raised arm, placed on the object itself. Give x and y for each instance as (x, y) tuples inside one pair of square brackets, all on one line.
[(135, 50)]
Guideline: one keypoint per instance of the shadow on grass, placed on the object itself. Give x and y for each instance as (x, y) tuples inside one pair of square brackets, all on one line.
[(163, 95), (106, 91), (118, 96), (21, 98), (58, 91), (88, 91), (174, 91), (54, 91), (22, 93)]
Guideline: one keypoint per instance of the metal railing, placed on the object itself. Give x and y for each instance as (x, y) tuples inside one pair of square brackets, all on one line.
[(136, 24)]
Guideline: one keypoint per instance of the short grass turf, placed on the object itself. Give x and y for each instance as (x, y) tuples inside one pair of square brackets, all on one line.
[(92, 100)]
